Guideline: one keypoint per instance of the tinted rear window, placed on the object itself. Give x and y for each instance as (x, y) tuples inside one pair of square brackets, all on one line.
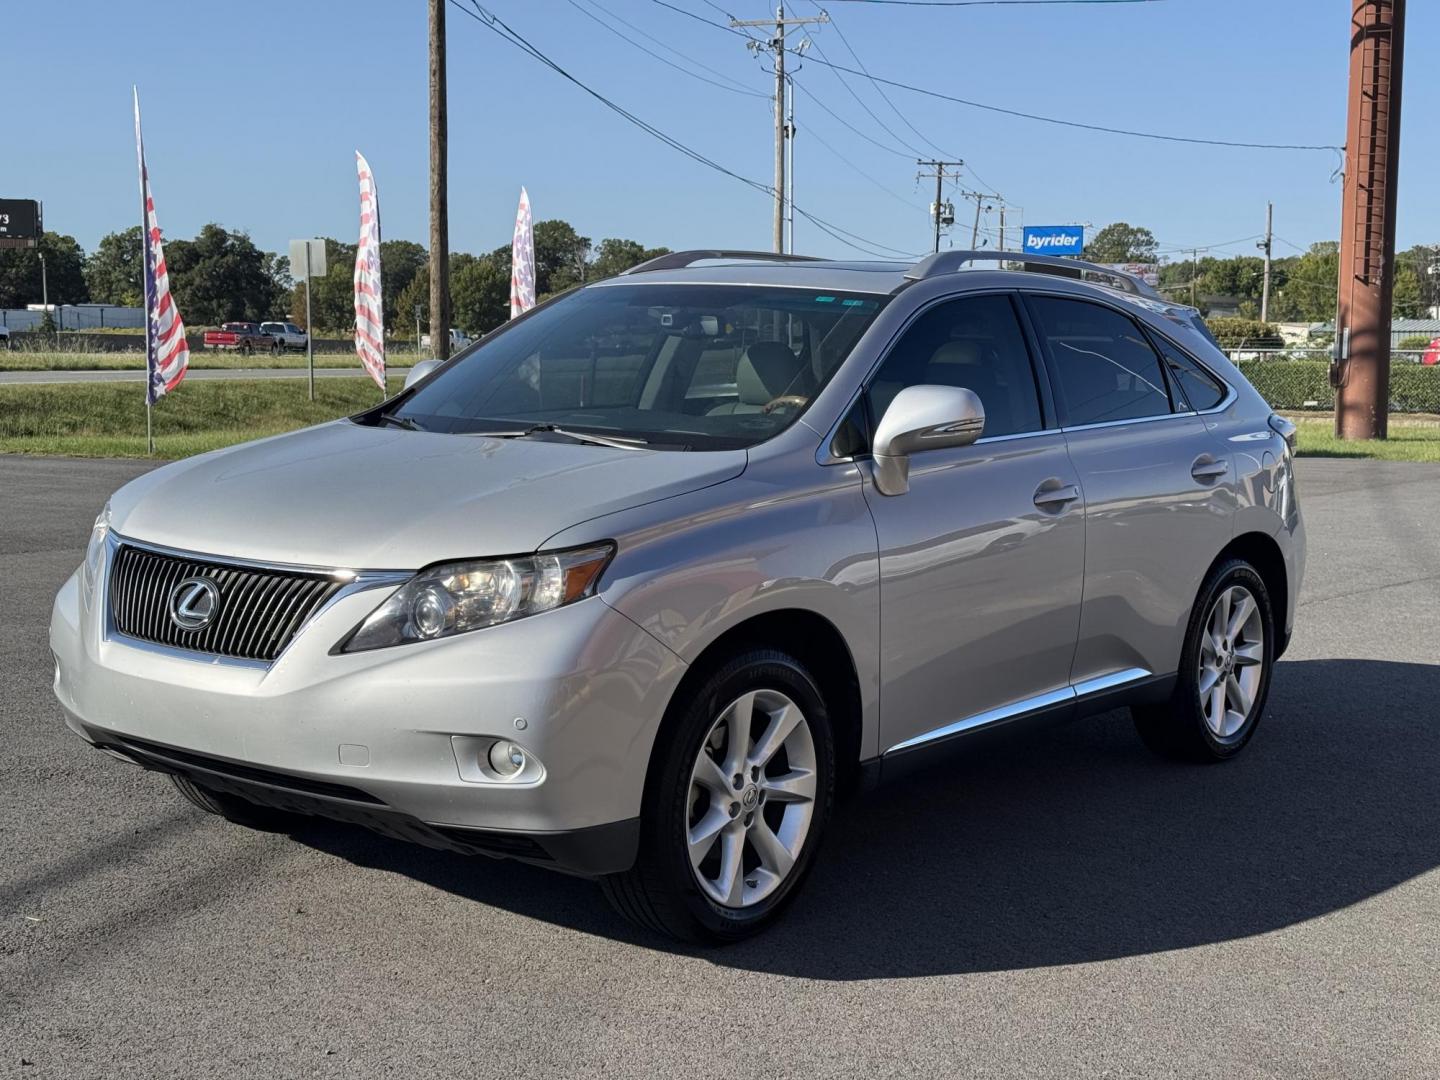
[(1104, 369)]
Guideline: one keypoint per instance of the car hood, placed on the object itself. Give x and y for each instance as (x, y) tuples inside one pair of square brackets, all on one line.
[(367, 498)]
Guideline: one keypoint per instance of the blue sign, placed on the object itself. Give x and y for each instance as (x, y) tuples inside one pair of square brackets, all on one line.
[(1054, 239)]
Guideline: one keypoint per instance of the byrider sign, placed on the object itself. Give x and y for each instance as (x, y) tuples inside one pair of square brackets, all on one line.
[(1054, 239)]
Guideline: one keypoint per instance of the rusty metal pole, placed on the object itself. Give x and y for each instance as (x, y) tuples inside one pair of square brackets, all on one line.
[(439, 200), (1361, 371)]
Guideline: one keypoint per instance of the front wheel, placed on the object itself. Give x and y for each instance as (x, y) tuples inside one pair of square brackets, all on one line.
[(1224, 671), (740, 793), (235, 809)]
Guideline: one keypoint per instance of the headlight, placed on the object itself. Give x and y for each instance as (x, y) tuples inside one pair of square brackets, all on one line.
[(456, 597), (94, 554)]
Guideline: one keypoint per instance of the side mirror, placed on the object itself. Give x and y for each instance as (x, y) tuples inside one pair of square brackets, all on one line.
[(922, 418), (420, 370)]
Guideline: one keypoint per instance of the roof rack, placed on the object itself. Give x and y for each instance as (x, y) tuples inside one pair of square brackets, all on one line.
[(948, 262), (674, 260)]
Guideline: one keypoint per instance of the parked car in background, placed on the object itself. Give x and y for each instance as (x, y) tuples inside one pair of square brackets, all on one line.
[(1432, 353), (458, 340), (242, 337), (4, 337), (287, 334), (637, 585)]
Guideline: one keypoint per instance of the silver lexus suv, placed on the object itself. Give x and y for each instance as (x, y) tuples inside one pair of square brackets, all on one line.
[(634, 586)]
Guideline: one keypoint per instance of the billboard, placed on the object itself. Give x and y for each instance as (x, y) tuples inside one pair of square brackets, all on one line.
[(20, 219), (1053, 239)]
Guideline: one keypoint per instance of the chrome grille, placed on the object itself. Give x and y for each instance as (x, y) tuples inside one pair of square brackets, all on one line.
[(260, 609)]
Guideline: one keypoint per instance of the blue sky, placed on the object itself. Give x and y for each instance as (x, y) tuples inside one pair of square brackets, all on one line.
[(252, 113)]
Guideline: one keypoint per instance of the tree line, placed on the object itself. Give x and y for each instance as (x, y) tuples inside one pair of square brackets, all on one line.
[(1303, 287), (221, 276)]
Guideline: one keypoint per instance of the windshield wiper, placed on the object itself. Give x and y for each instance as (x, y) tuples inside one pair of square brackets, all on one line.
[(628, 443), (399, 421)]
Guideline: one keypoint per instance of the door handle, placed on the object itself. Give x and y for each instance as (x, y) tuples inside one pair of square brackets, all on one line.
[(1206, 469), (1053, 498)]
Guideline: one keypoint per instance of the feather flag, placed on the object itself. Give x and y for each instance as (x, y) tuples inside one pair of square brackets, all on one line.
[(167, 355), (369, 310), (522, 260)]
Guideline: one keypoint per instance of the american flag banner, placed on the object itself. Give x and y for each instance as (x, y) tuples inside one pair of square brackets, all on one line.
[(522, 260), (369, 311), (167, 355)]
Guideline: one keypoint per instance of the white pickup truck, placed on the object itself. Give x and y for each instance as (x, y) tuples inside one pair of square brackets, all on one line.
[(458, 340), (287, 334)]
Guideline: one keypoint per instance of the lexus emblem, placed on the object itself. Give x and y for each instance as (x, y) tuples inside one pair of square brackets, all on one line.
[(194, 603)]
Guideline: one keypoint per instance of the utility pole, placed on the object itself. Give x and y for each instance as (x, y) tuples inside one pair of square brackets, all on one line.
[(439, 199), (789, 170), (1360, 371), (1002, 224), (776, 45), (941, 212), (980, 198), (1265, 247), (1194, 274)]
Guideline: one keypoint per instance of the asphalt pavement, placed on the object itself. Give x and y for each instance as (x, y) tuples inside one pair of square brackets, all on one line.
[(137, 375), (1064, 905)]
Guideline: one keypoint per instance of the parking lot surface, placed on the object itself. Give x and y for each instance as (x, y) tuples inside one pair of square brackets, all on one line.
[(1063, 905)]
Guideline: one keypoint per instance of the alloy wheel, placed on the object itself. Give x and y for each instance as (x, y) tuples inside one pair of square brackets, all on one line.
[(751, 798), (1232, 655)]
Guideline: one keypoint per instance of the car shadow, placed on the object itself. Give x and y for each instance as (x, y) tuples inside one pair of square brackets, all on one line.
[(1071, 845)]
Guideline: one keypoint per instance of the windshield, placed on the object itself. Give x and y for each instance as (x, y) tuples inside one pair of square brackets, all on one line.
[(703, 367)]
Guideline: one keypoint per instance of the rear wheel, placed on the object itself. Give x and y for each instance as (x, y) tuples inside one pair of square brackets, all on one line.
[(1224, 671), (246, 348), (234, 808), (734, 811)]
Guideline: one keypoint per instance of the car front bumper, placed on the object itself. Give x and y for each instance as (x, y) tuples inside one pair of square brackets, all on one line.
[(382, 737)]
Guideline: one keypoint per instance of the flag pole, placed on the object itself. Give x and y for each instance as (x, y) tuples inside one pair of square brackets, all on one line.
[(144, 257)]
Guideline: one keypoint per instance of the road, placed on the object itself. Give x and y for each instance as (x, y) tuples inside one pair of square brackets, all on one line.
[(1065, 906), (137, 375)]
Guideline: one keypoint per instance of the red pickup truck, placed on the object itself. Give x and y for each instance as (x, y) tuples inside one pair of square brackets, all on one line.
[(243, 337)]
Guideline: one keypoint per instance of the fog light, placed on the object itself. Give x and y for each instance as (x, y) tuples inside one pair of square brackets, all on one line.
[(506, 759)]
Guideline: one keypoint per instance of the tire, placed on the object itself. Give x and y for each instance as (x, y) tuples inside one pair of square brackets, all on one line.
[(276, 349), (1205, 724), (235, 809), (246, 349), (779, 828)]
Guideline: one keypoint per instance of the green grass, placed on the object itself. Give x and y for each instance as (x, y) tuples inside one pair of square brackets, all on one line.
[(1407, 442), (108, 419), (25, 360)]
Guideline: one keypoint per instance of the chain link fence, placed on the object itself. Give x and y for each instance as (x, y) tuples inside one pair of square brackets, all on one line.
[(1299, 379)]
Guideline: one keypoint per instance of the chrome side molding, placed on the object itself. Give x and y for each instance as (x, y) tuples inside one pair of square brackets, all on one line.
[(1077, 692)]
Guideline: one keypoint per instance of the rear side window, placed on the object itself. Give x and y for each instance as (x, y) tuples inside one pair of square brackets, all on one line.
[(1104, 368), (1194, 386)]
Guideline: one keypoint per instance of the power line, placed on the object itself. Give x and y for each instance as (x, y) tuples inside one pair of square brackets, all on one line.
[(1076, 123), (733, 87), (497, 26), (989, 3), (1175, 248), (841, 120), (879, 89), (869, 111), (698, 18), (861, 172)]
